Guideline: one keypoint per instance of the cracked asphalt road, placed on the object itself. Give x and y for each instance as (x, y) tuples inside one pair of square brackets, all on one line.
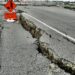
[(19, 55), (59, 18)]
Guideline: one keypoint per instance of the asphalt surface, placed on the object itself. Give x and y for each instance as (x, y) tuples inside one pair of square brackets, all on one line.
[(63, 47), (59, 18), (19, 55)]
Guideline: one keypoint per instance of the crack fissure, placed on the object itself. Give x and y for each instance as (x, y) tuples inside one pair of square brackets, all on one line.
[(43, 48)]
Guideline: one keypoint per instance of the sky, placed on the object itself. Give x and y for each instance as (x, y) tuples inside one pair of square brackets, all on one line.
[(49, 0), (54, 0), (65, 0), (62, 0)]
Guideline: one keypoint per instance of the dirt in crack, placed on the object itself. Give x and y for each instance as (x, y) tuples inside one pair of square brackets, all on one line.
[(44, 50)]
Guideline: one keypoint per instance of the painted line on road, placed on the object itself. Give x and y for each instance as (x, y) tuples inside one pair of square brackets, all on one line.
[(54, 29)]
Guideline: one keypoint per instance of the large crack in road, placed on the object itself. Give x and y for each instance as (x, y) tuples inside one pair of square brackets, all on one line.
[(43, 47), (19, 55)]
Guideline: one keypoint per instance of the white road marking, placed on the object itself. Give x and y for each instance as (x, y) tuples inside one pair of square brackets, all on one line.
[(54, 29)]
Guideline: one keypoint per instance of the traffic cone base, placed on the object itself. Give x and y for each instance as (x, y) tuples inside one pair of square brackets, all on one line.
[(10, 16), (10, 20)]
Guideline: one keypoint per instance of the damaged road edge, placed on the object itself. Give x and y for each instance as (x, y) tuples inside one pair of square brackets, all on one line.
[(36, 32)]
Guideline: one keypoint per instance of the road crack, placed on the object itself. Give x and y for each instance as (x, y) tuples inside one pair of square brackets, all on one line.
[(43, 48)]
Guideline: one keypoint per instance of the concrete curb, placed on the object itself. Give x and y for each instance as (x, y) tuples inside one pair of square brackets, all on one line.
[(36, 32)]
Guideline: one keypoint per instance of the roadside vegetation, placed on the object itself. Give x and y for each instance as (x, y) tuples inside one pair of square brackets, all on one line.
[(69, 6)]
